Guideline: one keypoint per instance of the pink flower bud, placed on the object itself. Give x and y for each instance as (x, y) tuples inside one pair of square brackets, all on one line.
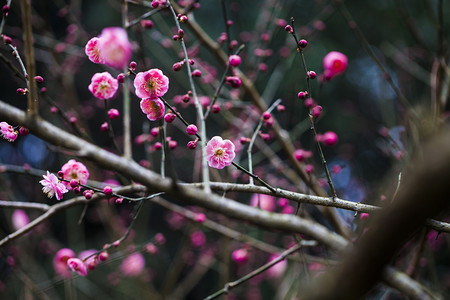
[(200, 217), (107, 190), (364, 216), (311, 74), (38, 79), (133, 65), (309, 103), (23, 131), (147, 24), (119, 200), (191, 129), (316, 111), (329, 138), (158, 146), (173, 144), (266, 115), (104, 127), (73, 183), (169, 117), (215, 109), (234, 60), (151, 248), (88, 194), (302, 43), (103, 256), (240, 256), (177, 66), (192, 145), (289, 29), (183, 19), (121, 78), (154, 131), (160, 239), (113, 113), (300, 154), (309, 169), (196, 73), (302, 95)]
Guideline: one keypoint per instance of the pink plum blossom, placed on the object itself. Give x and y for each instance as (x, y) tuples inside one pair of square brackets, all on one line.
[(8, 132), (103, 85), (151, 84), (133, 265), (74, 170), (115, 48), (240, 256), (19, 219), (278, 269), (60, 262), (93, 52), (153, 108), (219, 152), (77, 265), (52, 186), (334, 63), (198, 238), (265, 202)]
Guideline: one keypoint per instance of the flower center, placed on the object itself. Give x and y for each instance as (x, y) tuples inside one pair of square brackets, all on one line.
[(151, 85), (103, 86), (219, 152)]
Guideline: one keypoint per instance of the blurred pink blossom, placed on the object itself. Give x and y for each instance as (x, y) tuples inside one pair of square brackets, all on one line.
[(60, 262), (265, 202), (133, 265), (19, 219), (115, 48), (76, 265), (240, 256), (278, 269), (334, 63)]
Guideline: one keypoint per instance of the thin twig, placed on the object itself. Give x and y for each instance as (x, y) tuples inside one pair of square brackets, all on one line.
[(311, 118), (258, 271), (205, 170)]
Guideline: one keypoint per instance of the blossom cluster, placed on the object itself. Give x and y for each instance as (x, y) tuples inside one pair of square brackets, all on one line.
[(149, 86)]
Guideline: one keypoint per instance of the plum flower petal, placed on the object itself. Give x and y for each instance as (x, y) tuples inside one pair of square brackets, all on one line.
[(115, 48), (74, 170), (151, 84), (52, 186), (93, 52), (103, 85), (219, 152), (153, 108), (77, 265), (8, 132)]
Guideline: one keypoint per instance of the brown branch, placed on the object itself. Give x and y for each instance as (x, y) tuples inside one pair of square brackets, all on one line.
[(25, 6)]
